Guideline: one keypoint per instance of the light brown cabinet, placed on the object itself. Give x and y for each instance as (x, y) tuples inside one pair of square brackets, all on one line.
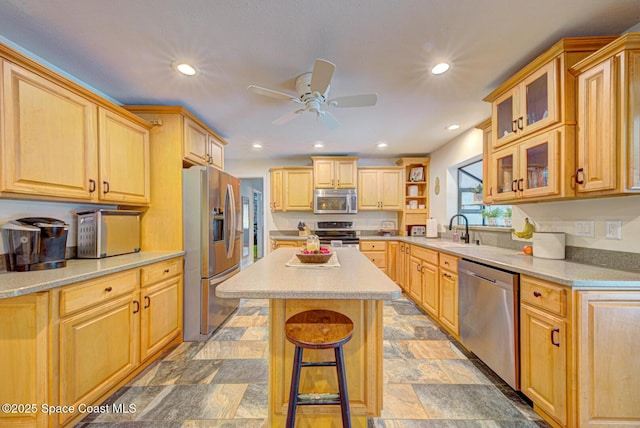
[(376, 251), (448, 312), (291, 189), (416, 193), (424, 281), (488, 187), (533, 169), (62, 142), (545, 346), (335, 172), (608, 329), (24, 362), (275, 244), (161, 300), (201, 146), (608, 143), (532, 147), (380, 189)]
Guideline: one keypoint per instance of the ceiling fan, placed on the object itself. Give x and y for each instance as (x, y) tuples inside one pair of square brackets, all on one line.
[(313, 90)]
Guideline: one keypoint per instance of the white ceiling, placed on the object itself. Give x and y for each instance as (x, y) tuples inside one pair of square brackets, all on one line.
[(124, 48)]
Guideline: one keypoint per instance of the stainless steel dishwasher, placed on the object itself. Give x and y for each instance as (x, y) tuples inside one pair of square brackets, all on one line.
[(489, 317)]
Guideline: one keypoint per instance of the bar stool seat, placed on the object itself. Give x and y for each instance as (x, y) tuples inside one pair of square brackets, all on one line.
[(318, 329)]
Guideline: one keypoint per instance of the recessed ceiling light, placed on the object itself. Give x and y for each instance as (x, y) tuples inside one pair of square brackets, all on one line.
[(382, 145), (184, 68), (318, 145), (440, 68), (256, 145), (453, 127)]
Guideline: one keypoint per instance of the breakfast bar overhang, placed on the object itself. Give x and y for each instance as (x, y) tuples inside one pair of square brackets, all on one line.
[(355, 288)]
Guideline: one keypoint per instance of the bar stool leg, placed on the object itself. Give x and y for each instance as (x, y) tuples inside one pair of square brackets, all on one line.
[(342, 387), (293, 390)]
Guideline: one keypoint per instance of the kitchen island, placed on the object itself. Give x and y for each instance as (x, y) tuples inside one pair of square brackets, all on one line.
[(355, 288)]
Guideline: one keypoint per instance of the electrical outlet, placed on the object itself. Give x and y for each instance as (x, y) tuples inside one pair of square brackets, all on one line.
[(585, 229), (613, 229)]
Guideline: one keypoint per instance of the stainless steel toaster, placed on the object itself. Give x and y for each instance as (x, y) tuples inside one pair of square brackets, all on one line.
[(104, 233)]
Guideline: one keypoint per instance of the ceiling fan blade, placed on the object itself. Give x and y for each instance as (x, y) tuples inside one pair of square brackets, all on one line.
[(287, 117), (321, 75), (364, 100), (271, 93), (328, 120)]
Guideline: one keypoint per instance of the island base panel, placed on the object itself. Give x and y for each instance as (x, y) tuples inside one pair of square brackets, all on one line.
[(363, 356)]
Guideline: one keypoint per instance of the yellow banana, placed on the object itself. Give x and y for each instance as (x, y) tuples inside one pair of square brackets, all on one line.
[(527, 232)]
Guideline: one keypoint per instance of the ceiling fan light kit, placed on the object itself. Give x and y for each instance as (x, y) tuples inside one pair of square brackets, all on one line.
[(313, 89)]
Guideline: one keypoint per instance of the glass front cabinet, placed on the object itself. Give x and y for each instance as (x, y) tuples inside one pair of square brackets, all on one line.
[(529, 106), (530, 169)]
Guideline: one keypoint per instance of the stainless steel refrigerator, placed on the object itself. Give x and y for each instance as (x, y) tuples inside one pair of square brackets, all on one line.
[(212, 244)]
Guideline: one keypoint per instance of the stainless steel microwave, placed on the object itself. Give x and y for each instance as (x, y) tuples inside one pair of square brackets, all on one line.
[(329, 201)]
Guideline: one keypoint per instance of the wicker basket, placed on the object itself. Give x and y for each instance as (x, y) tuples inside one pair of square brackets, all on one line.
[(313, 258)]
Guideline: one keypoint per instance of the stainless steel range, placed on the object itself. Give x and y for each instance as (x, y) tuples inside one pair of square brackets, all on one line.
[(342, 231)]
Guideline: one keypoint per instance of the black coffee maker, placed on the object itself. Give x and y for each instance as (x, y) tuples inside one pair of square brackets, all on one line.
[(36, 243)]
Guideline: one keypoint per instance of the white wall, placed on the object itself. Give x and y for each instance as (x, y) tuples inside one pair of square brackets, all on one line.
[(444, 165), (548, 216)]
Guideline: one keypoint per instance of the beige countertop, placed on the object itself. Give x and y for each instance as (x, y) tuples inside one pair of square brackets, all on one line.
[(14, 284), (355, 279), (564, 272)]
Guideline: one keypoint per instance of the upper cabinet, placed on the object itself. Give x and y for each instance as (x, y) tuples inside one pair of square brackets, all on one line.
[(380, 189), (415, 204), (530, 105), (608, 143), (487, 183), (291, 189), (335, 172), (531, 152), (199, 144), (62, 142)]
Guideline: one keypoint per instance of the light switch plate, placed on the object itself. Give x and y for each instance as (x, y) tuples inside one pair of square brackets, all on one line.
[(613, 229), (585, 228)]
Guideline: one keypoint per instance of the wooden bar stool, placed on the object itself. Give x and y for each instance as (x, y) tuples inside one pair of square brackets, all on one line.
[(318, 329)]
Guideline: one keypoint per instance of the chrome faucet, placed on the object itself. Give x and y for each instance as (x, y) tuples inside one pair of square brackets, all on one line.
[(464, 237)]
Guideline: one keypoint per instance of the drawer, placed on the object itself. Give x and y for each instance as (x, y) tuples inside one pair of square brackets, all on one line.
[(89, 293), (373, 246), (449, 262), (428, 256), (160, 271), (378, 259), (544, 295)]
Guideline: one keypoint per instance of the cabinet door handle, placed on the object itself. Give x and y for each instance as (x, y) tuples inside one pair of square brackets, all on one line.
[(514, 126), (491, 191), (513, 185), (108, 289), (418, 266), (553, 342), (105, 185), (167, 271), (446, 275), (578, 172), (137, 309), (520, 123), (338, 182), (147, 301), (537, 294), (521, 184), (92, 185)]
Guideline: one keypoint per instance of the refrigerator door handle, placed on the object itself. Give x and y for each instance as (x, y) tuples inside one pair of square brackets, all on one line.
[(232, 232), (229, 221)]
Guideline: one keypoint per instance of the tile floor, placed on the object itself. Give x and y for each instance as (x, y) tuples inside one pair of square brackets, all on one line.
[(430, 380)]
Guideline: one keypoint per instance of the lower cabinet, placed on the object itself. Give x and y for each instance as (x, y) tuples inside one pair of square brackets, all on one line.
[(448, 311), (376, 251), (544, 340), (608, 346), (24, 362), (98, 347)]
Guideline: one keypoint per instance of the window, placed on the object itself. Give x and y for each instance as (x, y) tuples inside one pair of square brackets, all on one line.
[(470, 198)]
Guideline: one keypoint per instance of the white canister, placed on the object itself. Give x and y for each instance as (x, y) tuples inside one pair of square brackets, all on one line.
[(549, 245), (413, 190), (413, 205)]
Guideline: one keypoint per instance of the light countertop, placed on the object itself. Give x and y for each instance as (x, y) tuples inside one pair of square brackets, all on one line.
[(355, 279), (572, 274), (14, 284)]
